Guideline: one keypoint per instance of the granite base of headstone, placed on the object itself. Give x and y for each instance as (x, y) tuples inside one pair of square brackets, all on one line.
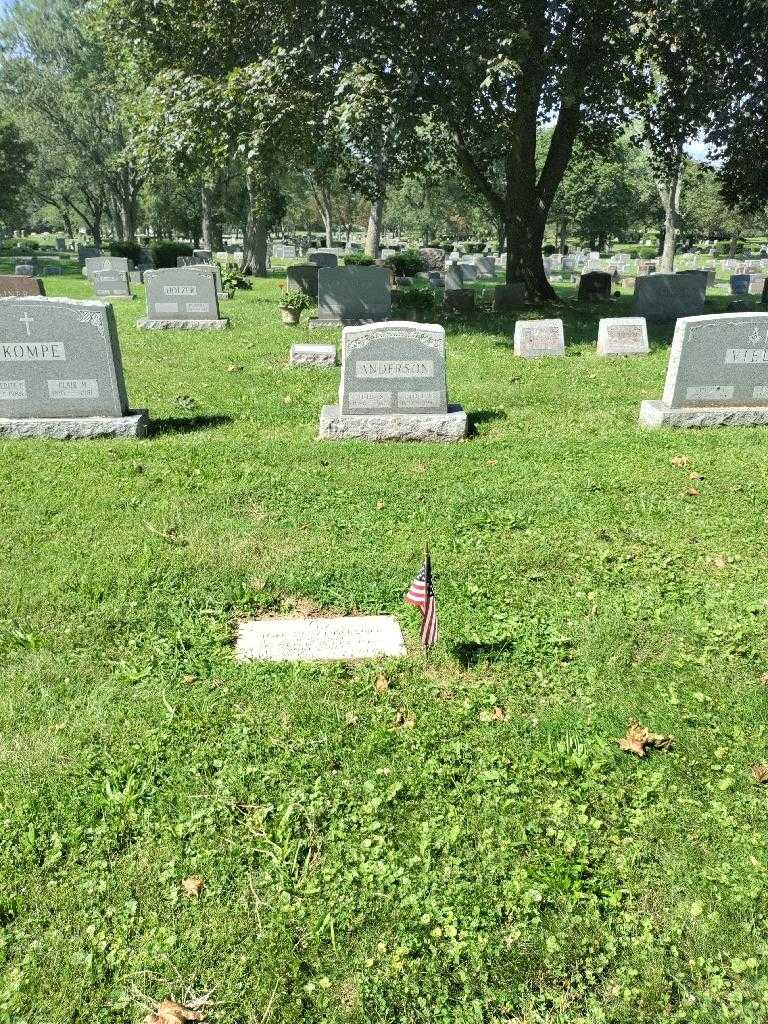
[(313, 355), (622, 336), (717, 374), (509, 297), (61, 372), (535, 339), (393, 387), (459, 300)]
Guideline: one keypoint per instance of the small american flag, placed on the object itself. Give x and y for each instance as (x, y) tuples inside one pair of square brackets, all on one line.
[(422, 596)]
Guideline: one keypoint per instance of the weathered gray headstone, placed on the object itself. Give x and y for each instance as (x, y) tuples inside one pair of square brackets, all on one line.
[(468, 272), (717, 374), (740, 284), (111, 284), (454, 278), (507, 297), (323, 259), (433, 259), (313, 355), (622, 336), (12, 287), (352, 295), (61, 244), (101, 264), (486, 268), (661, 297), (536, 338), (436, 279), (645, 267), (459, 300), (184, 298), (61, 373), (302, 277), (25, 270), (594, 285), (393, 386), (202, 255)]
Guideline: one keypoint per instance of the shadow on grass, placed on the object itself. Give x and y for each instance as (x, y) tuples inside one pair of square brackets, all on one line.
[(471, 654), (474, 419), (186, 424)]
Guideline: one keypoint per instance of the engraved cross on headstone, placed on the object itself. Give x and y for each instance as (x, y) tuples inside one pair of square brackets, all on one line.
[(27, 320)]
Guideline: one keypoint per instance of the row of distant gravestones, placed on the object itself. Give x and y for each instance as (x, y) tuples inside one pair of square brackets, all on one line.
[(61, 371)]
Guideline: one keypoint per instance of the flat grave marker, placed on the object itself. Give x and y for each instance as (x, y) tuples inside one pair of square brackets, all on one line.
[(345, 638), (535, 339), (622, 336)]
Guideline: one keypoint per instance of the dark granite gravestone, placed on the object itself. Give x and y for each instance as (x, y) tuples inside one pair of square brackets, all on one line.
[(352, 295), (454, 279), (436, 279), (85, 252), (622, 336), (24, 270), (202, 256), (459, 300), (111, 284), (12, 287), (302, 277), (662, 297), (61, 373), (717, 374), (537, 338), (739, 284), (182, 298), (393, 386), (507, 297), (323, 259), (594, 286), (764, 299), (468, 272), (61, 244)]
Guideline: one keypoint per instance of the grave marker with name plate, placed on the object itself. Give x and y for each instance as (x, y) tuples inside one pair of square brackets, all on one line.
[(537, 338), (338, 639), (105, 264), (717, 374), (393, 386), (61, 373), (622, 336), (111, 284), (12, 287), (352, 295), (182, 299)]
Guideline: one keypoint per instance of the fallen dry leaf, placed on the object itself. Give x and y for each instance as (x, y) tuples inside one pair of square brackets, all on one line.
[(497, 714), (170, 536), (446, 694), (680, 461), (379, 504), (381, 685), (403, 721), (351, 718), (721, 561), (692, 492), (760, 773), (287, 400), (638, 740), (695, 476), (169, 1012), (234, 368), (193, 886), (764, 678), (189, 679), (492, 462)]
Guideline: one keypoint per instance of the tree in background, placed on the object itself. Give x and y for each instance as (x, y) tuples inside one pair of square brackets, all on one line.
[(16, 160)]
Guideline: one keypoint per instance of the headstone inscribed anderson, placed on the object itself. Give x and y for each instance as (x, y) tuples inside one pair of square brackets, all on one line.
[(61, 373), (536, 338), (12, 287), (622, 336), (717, 374), (393, 386), (184, 298)]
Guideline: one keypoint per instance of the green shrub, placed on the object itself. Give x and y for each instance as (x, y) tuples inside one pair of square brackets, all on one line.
[(357, 259), (232, 276), (549, 250), (473, 248), (643, 252), (131, 250), (406, 263), (296, 301), (724, 248), (165, 254), (414, 298)]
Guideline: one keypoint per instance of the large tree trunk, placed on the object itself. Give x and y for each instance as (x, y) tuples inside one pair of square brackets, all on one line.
[(206, 197), (525, 262), (373, 238), (669, 193), (256, 230), (733, 245)]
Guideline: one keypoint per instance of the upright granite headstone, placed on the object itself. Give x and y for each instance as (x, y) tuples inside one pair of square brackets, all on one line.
[(508, 297), (622, 336), (184, 299), (594, 286), (459, 300), (393, 386), (717, 374), (764, 299), (61, 244), (645, 267), (61, 373), (454, 277), (323, 259), (352, 295), (486, 268), (114, 264), (662, 297), (85, 252), (739, 284), (468, 272), (302, 277), (12, 287), (537, 338), (433, 259), (111, 284), (202, 255)]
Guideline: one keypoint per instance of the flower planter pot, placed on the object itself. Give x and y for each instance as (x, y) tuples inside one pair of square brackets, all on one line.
[(289, 316)]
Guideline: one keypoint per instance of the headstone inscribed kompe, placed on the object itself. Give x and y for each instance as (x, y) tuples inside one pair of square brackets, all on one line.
[(622, 336), (537, 338), (61, 373), (183, 299), (717, 374), (393, 386)]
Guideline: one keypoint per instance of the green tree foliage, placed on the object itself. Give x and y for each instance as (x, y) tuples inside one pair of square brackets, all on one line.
[(15, 166)]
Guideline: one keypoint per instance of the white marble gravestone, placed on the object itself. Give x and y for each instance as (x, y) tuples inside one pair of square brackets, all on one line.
[(182, 298), (537, 338), (622, 336), (61, 373), (393, 386), (313, 355), (717, 374), (345, 638)]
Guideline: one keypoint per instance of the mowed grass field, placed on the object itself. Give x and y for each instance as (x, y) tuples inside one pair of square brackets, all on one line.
[(458, 840)]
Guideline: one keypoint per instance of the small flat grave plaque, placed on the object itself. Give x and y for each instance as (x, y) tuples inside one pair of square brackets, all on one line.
[(536, 338), (340, 639), (622, 336)]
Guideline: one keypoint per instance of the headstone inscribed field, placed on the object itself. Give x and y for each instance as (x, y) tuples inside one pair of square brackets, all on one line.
[(61, 373), (393, 386), (338, 639), (352, 295), (717, 374), (662, 297), (537, 338), (622, 336), (12, 287), (184, 298)]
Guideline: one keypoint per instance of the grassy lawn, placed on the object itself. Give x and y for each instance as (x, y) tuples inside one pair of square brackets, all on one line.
[(471, 866)]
